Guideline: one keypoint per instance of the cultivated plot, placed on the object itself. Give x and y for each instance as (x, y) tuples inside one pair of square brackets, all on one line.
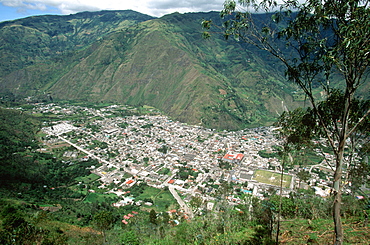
[(271, 178)]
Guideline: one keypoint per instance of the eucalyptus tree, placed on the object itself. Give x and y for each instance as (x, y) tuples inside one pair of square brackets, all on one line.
[(295, 132), (325, 48), (103, 221)]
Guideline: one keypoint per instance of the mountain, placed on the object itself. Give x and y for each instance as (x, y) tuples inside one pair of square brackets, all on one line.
[(130, 58), (34, 39)]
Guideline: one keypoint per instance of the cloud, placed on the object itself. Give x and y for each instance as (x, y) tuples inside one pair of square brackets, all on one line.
[(161, 7), (151, 7)]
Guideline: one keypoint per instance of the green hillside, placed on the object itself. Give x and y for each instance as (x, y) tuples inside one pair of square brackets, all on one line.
[(30, 40), (127, 57)]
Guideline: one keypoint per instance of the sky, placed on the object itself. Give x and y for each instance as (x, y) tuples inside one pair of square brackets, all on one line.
[(15, 9)]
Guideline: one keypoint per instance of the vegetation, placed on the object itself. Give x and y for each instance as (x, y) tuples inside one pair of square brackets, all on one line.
[(17, 140), (45, 200), (65, 206), (184, 173), (326, 59), (271, 178), (228, 86)]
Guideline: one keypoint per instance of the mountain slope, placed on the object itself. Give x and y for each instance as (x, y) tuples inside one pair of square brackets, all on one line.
[(160, 62), (142, 67), (30, 40)]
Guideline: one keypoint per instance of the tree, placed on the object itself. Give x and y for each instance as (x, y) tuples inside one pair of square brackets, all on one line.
[(153, 217), (325, 49), (165, 218), (295, 133), (304, 176), (196, 202), (103, 221)]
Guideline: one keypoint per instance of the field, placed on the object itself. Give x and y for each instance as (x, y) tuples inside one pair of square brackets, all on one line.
[(88, 179), (271, 178), (163, 199), (99, 198)]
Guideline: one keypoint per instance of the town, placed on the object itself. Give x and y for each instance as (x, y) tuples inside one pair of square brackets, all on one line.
[(190, 161)]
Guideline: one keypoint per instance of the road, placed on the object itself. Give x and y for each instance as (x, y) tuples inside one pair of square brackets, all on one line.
[(182, 204), (87, 152)]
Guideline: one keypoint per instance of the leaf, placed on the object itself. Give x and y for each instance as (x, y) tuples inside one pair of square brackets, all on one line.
[(206, 35), (266, 30)]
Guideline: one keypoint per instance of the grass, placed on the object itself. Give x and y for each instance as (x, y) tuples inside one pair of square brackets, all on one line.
[(271, 178), (75, 234), (321, 231), (162, 199), (96, 197), (88, 179)]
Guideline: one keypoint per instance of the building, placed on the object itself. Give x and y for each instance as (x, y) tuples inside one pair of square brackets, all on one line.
[(233, 158), (110, 131)]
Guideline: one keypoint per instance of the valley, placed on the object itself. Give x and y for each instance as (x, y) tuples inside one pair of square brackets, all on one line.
[(129, 58), (160, 152), (151, 173), (122, 128)]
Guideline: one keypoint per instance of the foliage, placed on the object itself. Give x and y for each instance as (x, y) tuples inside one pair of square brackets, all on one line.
[(196, 201), (303, 175), (18, 228), (149, 125), (164, 171), (164, 149), (184, 173), (17, 139), (58, 34), (246, 225), (265, 154), (306, 231), (99, 144), (330, 43), (153, 217), (123, 125), (225, 165), (129, 238), (219, 86), (103, 221), (297, 128)]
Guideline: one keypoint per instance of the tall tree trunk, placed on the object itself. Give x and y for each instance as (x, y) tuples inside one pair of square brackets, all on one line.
[(280, 205), (337, 185), (338, 200)]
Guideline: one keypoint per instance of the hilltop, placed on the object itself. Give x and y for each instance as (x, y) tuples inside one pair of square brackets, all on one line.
[(131, 58)]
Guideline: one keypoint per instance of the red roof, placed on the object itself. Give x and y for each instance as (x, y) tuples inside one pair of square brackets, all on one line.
[(129, 182), (239, 156), (232, 157), (229, 156), (171, 181)]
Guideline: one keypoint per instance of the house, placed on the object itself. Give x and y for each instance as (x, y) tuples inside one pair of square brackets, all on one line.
[(110, 131), (233, 158), (129, 182)]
